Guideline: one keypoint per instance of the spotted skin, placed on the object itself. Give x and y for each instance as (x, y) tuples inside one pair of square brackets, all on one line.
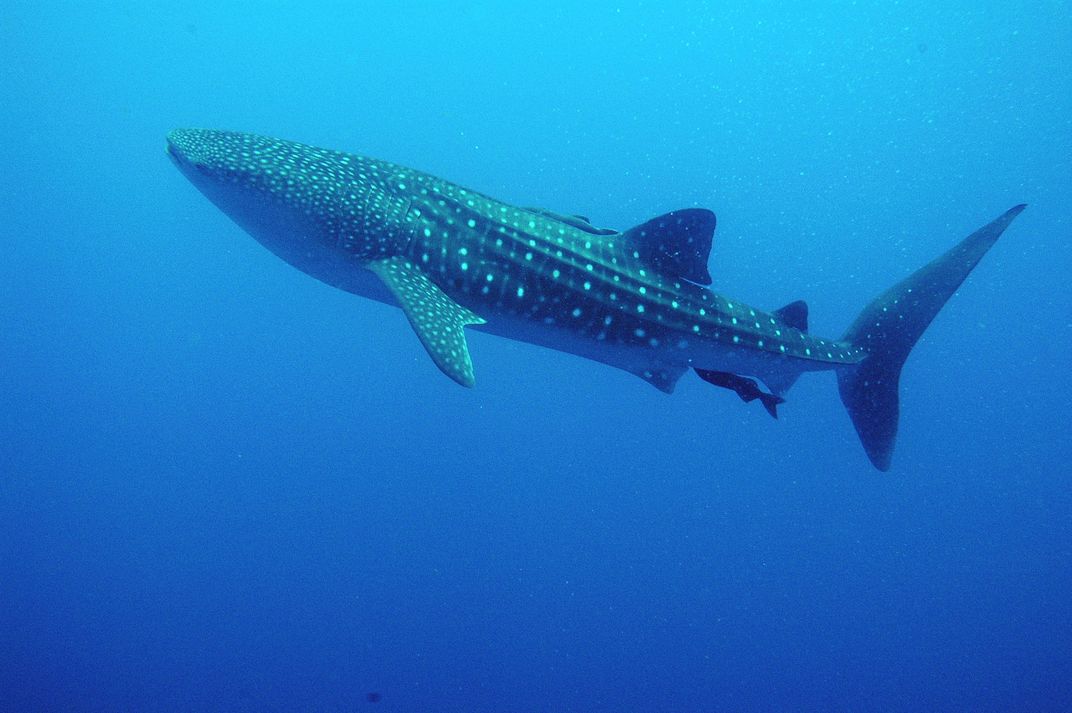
[(452, 257), (498, 260)]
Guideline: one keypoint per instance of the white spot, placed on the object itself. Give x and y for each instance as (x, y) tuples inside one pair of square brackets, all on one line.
[(520, 291)]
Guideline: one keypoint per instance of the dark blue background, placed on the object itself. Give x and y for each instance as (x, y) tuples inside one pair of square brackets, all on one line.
[(225, 486)]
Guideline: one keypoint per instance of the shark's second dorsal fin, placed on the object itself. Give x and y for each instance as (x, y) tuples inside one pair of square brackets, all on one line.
[(676, 244), (794, 314), (438, 320)]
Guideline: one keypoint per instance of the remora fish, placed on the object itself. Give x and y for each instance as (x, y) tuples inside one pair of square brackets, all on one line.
[(636, 300)]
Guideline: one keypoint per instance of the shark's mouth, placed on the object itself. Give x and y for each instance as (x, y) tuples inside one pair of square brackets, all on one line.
[(173, 153)]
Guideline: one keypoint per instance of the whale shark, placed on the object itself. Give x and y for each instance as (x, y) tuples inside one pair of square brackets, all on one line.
[(639, 300)]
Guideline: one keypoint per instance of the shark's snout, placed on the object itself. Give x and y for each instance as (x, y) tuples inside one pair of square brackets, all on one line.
[(187, 146), (212, 156)]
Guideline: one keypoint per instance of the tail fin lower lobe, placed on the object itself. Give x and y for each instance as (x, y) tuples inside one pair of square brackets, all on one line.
[(891, 325)]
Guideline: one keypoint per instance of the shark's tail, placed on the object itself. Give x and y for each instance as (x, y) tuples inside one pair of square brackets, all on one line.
[(891, 325)]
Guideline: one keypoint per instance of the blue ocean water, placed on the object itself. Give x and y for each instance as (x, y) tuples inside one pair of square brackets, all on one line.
[(225, 486)]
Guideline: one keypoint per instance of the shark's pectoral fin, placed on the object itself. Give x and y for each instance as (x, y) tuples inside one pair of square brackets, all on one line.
[(438, 320)]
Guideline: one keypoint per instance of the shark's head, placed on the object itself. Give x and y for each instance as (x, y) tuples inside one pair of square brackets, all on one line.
[(295, 199), (250, 178)]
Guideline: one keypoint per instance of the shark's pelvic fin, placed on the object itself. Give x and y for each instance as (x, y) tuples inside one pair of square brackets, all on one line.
[(438, 320), (676, 244), (663, 378), (891, 325)]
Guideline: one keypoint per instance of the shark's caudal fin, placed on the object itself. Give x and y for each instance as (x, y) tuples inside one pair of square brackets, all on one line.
[(891, 325)]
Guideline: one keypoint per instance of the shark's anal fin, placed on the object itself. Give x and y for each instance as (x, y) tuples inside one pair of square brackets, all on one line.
[(438, 320), (744, 387)]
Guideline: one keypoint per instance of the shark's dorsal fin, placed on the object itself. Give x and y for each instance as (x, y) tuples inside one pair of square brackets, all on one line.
[(676, 244), (438, 320), (794, 314)]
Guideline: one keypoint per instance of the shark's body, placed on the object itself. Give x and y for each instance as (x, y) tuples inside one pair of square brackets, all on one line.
[(452, 257)]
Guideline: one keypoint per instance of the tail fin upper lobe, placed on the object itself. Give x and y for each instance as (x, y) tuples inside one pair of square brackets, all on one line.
[(891, 325)]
